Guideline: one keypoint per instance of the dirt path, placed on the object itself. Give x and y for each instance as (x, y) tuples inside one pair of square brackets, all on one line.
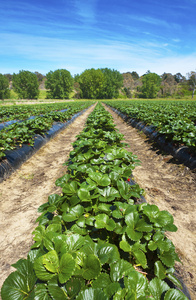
[(171, 187), (26, 189)]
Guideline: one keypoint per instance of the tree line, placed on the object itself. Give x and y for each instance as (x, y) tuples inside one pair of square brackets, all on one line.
[(103, 83)]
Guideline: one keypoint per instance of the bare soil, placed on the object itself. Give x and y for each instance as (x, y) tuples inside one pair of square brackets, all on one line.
[(172, 187), (167, 184), (26, 189)]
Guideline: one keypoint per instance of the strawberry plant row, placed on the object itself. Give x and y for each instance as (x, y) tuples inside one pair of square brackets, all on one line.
[(23, 112), (15, 158), (174, 120), (94, 241), (17, 134)]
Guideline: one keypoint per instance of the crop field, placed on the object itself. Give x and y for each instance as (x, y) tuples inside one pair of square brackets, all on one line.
[(99, 212)]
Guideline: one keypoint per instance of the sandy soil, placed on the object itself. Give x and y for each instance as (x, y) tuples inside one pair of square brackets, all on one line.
[(26, 189), (172, 187)]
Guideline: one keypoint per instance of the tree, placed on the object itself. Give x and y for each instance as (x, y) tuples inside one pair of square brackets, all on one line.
[(179, 78), (40, 77), (26, 85), (192, 81), (9, 76), (112, 83), (92, 83), (151, 85), (168, 86), (135, 75), (100, 84), (4, 87), (59, 84)]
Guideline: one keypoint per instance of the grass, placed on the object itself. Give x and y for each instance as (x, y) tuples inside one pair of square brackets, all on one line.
[(42, 94)]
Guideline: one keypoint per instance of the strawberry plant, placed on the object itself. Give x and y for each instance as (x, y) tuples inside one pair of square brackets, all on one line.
[(96, 240)]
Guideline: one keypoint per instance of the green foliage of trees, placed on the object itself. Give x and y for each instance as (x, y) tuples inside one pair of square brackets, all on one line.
[(135, 75), (59, 84), (192, 81), (151, 85), (91, 84), (113, 82), (100, 84), (4, 87), (26, 85)]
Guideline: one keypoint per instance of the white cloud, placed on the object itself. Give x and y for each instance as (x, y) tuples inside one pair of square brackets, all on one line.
[(45, 54)]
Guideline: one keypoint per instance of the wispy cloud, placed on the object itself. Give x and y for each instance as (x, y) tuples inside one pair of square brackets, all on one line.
[(125, 35), (86, 9), (45, 54)]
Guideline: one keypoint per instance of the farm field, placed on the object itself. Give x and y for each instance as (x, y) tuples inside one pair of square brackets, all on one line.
[(168, 185)]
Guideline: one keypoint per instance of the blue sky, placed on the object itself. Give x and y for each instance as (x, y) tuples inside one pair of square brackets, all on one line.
[(124, 35)]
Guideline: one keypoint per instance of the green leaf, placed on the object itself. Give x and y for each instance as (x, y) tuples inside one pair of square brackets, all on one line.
[(132, 234), (151, 211), (136, 284), (104, 207), (174, 294), (157, 287), (57, 292), (91, 268), (163, 219), (114, 176), (74, 286), (124, 189), (62, 180), (100, 179), (120, 269), (76, 229), (131, 219), (117, 214), (140, 258), (41, 292), (143, 226), (124, 245), (112, 288), (159, 270), (92, 294), (70, 188), (41, 271), (120, 295), (168, 258), (54, 199), (73, 214), (171, 227), (175, 281), (108, 253), (51, 261), (103, 221), (67, 267), (108, 194), (90, 220), (102, 281), (84, 194), (20, 284), (81, 222)]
